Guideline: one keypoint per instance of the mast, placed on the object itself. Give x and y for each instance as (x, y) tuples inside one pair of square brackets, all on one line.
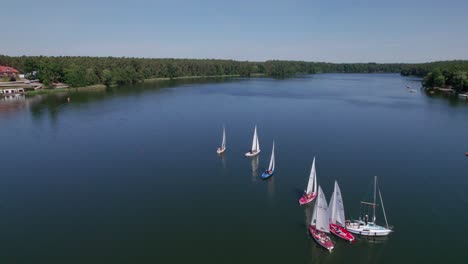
[(383, 208), (375, 192)]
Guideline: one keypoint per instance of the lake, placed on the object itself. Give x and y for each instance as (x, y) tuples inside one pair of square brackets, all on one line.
[(130, 174)]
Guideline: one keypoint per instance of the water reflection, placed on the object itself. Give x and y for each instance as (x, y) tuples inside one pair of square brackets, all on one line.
[(271, 187), (12, 103), (254, 164), (53, 103), (222, 157), (372, 240), (452, 98)]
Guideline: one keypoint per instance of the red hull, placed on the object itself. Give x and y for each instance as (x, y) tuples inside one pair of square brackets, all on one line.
[(321, 238), (307, 198), (341, 232)]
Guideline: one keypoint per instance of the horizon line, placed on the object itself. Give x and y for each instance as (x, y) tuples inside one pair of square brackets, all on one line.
[(226, 59)]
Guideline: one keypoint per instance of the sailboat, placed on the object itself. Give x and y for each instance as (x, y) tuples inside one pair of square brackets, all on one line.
[(271, 168), (221, 149), (337, 216), (366, 227), (255, 145), (320, 223), (311, 192)]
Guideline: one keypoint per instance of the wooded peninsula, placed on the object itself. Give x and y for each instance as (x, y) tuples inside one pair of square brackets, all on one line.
[(85, 71)]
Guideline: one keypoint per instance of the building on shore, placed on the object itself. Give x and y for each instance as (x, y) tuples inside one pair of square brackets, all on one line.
[(10, 72), (11, 90)]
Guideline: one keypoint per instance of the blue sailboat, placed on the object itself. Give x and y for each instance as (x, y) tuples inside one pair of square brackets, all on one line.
[(271, 168)]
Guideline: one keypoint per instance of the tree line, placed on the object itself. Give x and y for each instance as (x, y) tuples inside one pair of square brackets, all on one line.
[(83, 71), (453, 74)]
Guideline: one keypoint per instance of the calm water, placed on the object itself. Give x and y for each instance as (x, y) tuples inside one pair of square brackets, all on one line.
[(131, 175)]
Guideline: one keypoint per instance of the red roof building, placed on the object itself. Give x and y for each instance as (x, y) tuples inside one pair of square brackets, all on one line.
[(8, 71)]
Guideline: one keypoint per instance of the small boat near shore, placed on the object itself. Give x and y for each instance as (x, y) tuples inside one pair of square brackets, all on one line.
[(221, 149), (319, 227), (271, 167), (337, 216), (255, 145), (311, 191)]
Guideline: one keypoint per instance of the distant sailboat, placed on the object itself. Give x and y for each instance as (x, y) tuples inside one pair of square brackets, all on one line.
[(255, 145), (366, 227), (271, 167), (337, 216), (311, 191), (221, 149), (320, 222)]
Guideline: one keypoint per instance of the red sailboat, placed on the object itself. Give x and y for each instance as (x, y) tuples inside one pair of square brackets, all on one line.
[(319, 227), (337, 217)]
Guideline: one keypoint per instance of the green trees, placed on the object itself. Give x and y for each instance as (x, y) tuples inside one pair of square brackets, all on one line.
[(106, 77), (434, 79), (456, 80), (83, 71), (459, 80)]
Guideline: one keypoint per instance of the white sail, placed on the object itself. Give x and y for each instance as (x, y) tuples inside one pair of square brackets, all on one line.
[(223, 143), (312, 184), (320, 217), (336, 209), (271, 167), (258, 144), (255, 146), (314, 216)]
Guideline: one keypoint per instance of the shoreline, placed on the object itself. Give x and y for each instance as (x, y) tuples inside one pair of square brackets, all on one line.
[(157, 79), (63, 90)]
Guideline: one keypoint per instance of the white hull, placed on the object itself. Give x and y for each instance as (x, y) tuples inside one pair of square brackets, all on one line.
[(252, 154), (220, 151), (360, 228)]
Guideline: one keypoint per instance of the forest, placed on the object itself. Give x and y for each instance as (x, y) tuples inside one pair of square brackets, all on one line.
[(452, 74), (84, 71)]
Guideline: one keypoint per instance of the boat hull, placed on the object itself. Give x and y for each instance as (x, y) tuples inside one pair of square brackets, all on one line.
[(370, 229), (220, 151), (341, 232), (252, 154), (321, 238), (266, 175), (304, 199)]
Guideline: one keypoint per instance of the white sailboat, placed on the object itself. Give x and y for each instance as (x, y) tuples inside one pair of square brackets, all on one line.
[(336, 215), (311, 191), (255, 145), (365, 227), (320, 222), (271, 167), (223, 143)]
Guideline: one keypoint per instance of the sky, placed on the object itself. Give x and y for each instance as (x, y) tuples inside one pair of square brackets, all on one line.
[(310, 30)]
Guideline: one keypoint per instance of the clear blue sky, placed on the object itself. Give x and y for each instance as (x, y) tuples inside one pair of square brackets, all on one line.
[(334, 31)]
